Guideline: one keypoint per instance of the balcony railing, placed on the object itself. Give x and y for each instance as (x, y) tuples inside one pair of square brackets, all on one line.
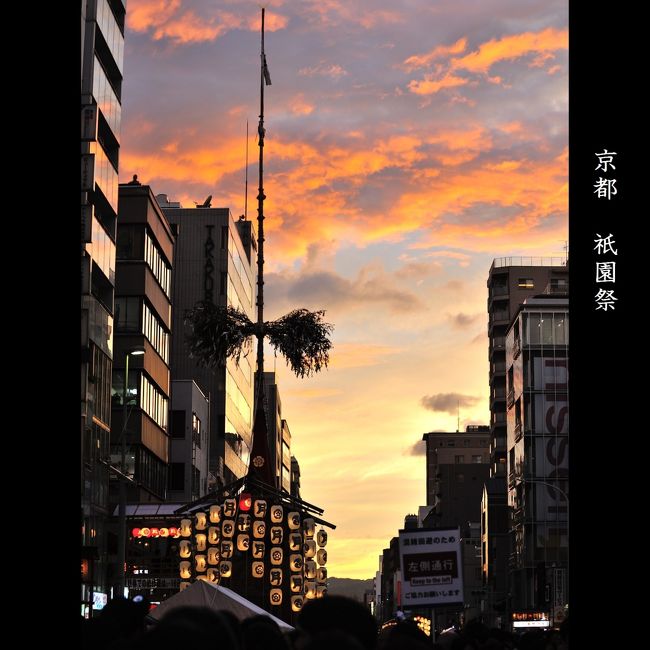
[(500, 262)]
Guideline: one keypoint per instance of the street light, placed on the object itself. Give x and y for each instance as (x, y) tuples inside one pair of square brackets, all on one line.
[(121, 538), (566, 498)]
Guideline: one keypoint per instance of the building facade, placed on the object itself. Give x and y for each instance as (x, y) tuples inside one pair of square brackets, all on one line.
[(215, 257), (537, 356), (102, 48), (189, 426)]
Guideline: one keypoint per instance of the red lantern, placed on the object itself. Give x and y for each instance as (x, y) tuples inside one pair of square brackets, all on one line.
[(135, 532), (155, 532), (173, 532), (245, 501)]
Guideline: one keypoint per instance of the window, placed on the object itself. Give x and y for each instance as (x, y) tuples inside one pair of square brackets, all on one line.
[(526, 283), (178, 424), (157, 264), (465, 442), (459, 459), (477, 458), (559, 285), (196, 431), (127, 314), (153, 329), (451, 443), (153, 402)]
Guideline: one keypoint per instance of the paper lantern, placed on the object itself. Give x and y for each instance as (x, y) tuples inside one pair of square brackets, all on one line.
[(226, 549), (259, 529), (145, 532), (185, 572), (259, 508), (243, 542), (201, 521), (215, 514), (174, 532), (201, 542), (296, 562), (310, 569), (155, 532), (164, 532), (277, 513), (186, 527), (213, 575), (244, 523), (225, 568), (229, 507), (185, 548), (310, 589), (258, 549), (228, 527), (296, 583), (135, 532), (321, 537), (293, 519), (309, 527), (276, 555), (213, 535), (184, 585), (200, 563), (295, 541), (277, 534), (321, 574), (213, 555), (245, 501), (309, 548), (321, 556), (321, 590), (296, 603), (275, 577), (275, 596), (257, 569)]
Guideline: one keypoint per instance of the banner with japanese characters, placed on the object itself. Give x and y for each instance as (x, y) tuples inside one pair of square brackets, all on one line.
[(432, 567)]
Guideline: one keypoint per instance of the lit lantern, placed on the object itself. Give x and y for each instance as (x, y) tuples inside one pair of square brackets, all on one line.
[(259, 508), (185, 572), (277, 512), (201, 521), (174, 532), (257, 569), (244, 523), (225, 569), (321, 537), (276, 555), (275, 577), (228, 527), (245, 501), (296, 562), (310, 589), (293, 519), (243, 542), (212, 575), (258, 550), (155, 532), (321, 574), (203, 577), (213, 535), (229, 507), (164, 532), (321, 590), (226, 549), (259, 529), (309, 527), (213, 556), (309, 548), (145, 532), (276, 534), (296, 583), (135, 532), (185, 548), (295, 542), (201, 542), (215, 514), (186, 527), (321, 556), (310, 570), (296, 603), (200, 563), (184, 585), (275, 596)]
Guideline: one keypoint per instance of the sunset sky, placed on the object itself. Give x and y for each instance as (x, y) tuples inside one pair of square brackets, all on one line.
[(408, 144)]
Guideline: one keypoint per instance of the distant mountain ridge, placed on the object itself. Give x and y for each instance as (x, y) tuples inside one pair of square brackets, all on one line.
[(351, 587)]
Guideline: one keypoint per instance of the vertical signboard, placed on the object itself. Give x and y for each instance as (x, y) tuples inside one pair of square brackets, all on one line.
[(432, 569)]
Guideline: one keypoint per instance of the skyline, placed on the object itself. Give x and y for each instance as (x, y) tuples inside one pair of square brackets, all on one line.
[(405, 149)]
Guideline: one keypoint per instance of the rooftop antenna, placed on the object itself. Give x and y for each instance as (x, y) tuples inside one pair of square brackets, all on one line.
[(246, 182)]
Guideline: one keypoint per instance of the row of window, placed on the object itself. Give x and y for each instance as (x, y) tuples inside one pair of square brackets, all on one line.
[(239, 267), (100, 379), (154, 331), (153, 403), (127, 320), (238, 399), (157, 264), (466, 443)]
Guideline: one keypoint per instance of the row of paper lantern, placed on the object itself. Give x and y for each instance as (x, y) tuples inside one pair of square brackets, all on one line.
[(156, 532)]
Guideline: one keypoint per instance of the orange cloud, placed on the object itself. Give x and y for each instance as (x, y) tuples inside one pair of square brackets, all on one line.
[(299, 106), (429, 85), (423, 60)]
